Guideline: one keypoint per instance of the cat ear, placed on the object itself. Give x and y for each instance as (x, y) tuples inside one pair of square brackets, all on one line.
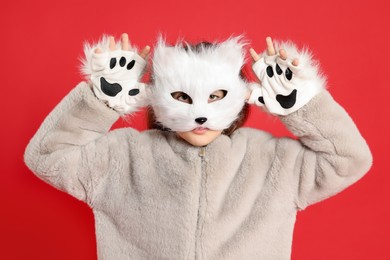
[(161, 50), (163, 57), (232, 51)]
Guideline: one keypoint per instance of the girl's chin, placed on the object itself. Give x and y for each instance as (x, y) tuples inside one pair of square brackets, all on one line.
[(199, 136)]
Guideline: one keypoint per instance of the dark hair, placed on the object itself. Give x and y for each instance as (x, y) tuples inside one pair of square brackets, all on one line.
[(242, 116)]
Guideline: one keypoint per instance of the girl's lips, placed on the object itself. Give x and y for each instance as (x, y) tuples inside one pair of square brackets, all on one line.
[(200, 130)]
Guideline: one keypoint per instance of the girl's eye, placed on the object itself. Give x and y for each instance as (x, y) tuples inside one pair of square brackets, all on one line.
[(213, 97), (182, 97), (217, 95)]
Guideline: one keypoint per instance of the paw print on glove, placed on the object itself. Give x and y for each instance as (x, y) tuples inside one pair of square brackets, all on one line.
[(115, 75), (287, 83)]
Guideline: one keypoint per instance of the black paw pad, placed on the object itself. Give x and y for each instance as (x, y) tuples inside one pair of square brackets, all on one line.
[(289, 74), (261, 100), (278, 70), (133, 92), (122, 61), (130, 65), (109, 89), (270, 72), (287, 101), (112, 63)]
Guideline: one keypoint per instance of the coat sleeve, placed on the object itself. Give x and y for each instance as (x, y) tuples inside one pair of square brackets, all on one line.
[(72, 150), (331, 153)]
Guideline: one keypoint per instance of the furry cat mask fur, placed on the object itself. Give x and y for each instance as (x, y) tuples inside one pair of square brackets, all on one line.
[(198, 72)]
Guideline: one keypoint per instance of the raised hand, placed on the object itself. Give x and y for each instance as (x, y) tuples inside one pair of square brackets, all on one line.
[(125, 46), (115, 71), (289, 78)]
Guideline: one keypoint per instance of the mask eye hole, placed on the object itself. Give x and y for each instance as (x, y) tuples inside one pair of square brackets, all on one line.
[(217, 95), (182, 97)]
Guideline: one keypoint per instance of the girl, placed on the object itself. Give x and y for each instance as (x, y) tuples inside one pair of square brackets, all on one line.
[(198, 187)]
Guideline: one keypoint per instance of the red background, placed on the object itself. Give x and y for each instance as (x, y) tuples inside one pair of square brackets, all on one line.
[(42, 41)]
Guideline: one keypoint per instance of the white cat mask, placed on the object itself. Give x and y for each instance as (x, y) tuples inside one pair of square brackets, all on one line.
[(198, 72)]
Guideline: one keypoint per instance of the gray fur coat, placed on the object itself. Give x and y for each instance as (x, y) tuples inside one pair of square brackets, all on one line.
[(155, 196)]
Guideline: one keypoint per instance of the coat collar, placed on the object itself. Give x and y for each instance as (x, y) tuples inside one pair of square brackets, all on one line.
[(222, 144)]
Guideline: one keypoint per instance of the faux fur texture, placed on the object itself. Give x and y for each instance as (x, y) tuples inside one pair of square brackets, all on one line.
[(198, 74), (285, 87), (154, 196), (115, 75)]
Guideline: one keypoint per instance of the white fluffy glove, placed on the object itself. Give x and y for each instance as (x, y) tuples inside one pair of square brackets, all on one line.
[(115, 76), (285, 87)]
